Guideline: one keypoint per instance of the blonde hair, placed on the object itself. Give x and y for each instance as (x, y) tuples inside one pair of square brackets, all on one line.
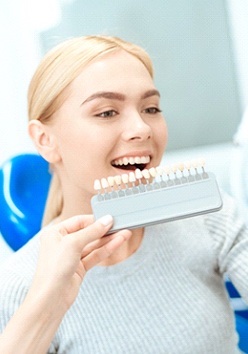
[(56, 71)]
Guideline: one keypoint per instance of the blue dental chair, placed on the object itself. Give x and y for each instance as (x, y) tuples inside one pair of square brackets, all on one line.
[(241, 315), (24, 183)]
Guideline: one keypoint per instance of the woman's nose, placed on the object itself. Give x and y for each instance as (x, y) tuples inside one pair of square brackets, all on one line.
[(136, 128)]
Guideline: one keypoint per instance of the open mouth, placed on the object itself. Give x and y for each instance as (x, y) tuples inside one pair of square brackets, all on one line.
[(130, 167), (131, 163)]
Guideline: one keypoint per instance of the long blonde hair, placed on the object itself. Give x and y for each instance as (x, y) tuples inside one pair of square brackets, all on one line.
[(56, 71)]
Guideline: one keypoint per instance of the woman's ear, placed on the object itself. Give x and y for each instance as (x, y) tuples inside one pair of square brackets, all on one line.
[(44, 141)]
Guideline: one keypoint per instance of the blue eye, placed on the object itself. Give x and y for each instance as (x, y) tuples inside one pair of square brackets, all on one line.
[(152, 110), (107, 114)]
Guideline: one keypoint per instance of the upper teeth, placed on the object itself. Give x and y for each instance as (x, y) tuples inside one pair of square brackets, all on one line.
[(132, 160)]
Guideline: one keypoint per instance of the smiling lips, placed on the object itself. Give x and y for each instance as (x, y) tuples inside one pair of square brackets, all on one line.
[(131, 162)]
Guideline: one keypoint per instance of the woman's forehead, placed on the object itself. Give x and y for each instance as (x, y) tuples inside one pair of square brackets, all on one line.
[(111, 73)]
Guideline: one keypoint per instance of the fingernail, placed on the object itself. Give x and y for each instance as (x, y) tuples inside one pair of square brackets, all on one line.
[(106, 220)]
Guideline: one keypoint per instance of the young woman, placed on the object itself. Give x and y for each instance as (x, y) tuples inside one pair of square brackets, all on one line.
[(95, 112)]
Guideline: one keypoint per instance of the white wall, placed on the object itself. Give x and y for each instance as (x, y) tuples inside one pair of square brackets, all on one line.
[(238, 17), (17, 47), (20, 23)]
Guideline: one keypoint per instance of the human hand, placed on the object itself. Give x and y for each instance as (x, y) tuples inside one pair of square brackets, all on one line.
[(67, 251)]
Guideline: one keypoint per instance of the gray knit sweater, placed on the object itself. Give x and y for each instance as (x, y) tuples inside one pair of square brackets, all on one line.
[(168, 297)]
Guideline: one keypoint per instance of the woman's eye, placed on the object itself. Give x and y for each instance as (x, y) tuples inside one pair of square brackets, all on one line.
[(152, 110), (107, 114)]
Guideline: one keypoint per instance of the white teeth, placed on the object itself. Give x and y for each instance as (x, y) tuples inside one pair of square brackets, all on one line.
[(111, 181), (181, 166), (97, 185), (132, 160), (137, 160), (138, 174), (159, 170), (143, 159), (146, 174), (167, 170), (117, 180), (104, 183), (187, 164), (125, 161), (165, 173), (153, 172), (132, 177), (124, 178)]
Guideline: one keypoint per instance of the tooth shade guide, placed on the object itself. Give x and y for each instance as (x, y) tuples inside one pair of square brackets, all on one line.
[(159, 171), (147, 177), (111, 181), (97, 185), (160, 177), (112, 193), (153, 172), (104, 183), (146, 174), (167, 172), (155, 177), (132, 181), (161, 205), (138, 175), (125, 178), (117, 180), (132, 178)]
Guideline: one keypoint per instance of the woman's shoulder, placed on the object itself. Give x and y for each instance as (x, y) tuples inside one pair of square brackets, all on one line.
[(230, 214), (227, 227)]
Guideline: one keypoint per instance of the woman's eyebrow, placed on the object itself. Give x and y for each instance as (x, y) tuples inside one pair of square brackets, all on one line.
[(106, 94), (119, 96), (150, 93)]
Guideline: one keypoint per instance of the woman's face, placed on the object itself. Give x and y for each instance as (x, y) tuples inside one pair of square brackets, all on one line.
[(110, 118)]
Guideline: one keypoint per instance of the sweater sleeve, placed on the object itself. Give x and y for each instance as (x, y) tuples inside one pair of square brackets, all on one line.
[(230, 239), (13, 290), (12, 293)]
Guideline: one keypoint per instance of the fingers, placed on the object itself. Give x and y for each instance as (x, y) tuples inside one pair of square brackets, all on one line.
[(96, 244), (84, 238), (92, 232), (75, 223), (100, 254)]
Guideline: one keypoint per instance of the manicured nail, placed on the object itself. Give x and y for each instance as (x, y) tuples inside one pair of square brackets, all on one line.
[(106, 220)]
